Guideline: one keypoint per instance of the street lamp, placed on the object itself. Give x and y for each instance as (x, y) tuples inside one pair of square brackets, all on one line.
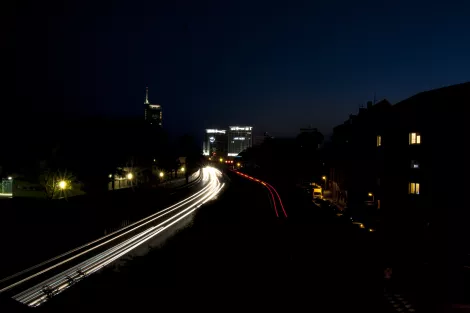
[(182, 169), (324, 178), (110, 175), (62, 184), (130, 176), (238, 164), (10, 178), (161, 174), (221, 160)]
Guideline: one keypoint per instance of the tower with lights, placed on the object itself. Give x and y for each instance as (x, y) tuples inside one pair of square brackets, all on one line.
[(153, 112)]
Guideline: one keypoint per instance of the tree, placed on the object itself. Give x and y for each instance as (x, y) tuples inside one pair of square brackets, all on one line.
[(55, 183)]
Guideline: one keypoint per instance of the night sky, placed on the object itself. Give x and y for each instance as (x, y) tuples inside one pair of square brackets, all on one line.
[(277, 65)]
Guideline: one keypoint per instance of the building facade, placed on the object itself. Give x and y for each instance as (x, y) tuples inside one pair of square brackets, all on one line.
[(411, 159), (215, 143), (153, 112), (239, 139)]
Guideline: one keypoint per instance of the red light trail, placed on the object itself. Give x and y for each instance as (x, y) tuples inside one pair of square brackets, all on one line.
[(270, 188)]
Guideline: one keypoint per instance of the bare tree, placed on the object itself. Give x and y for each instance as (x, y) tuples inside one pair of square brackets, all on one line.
[(51, 181)]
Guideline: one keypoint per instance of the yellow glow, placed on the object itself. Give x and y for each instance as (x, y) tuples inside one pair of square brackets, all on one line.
[(361, 225), (413, 188), (370, 194), (221, 160), (238, 164), (62, 184), (161, 174), (130, 176), (323, 177), (414, 139), (371, 230), (379, 141), (182, 169), (110, 175)]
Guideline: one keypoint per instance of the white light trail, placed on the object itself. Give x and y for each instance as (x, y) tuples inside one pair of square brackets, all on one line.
[(35, 295), (149, 219)]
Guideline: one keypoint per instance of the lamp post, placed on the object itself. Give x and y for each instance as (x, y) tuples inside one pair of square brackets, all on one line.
[(324, 179)]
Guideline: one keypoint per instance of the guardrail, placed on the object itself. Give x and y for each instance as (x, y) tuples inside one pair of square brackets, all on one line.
[(179, 182)]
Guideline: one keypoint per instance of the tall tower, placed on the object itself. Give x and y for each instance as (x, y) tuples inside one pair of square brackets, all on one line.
[(146, 95), (153, 112)]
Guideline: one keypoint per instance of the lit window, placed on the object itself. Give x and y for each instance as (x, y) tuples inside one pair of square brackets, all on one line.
[(379, 141), (414, 164), (415, 139), (413, 188)]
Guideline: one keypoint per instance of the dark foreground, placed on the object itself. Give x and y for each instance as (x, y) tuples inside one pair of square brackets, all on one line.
[(237, 255)]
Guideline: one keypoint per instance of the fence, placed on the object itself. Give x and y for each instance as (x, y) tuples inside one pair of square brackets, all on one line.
[(7, 186), (120, 183)]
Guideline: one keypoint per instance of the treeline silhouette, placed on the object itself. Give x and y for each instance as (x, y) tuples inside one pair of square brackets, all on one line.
[(89, 147)]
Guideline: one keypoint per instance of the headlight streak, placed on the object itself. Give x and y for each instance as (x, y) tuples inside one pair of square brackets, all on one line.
[(153, 217), (147, 221), (35, 295)]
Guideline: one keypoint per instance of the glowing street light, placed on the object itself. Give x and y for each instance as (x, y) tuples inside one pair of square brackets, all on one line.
[(130, 176), (161, 174), (370, 194), (324, 179), (62, 184), (110, 175), (221, 160), (10, 178), (238, 164), (182, 169)]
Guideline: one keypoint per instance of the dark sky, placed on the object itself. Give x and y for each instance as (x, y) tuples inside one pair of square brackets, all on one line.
[(277, 65)]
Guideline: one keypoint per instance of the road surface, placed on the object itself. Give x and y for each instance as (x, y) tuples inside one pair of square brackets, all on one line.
[(37, 284), (238, 255)]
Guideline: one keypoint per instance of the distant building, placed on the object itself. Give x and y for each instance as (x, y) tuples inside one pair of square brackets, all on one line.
[(215, 142), (239, 139), (259, 140), (153, 112), (309, 129)]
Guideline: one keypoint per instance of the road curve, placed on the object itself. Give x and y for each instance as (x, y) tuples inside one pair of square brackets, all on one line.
[(37, 284), (277, 202)]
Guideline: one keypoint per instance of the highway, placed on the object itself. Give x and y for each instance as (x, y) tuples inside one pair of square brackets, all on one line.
[(39, 283)]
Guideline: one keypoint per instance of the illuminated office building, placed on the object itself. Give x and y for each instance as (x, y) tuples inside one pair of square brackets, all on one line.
[(239, 139), (215, 143)]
